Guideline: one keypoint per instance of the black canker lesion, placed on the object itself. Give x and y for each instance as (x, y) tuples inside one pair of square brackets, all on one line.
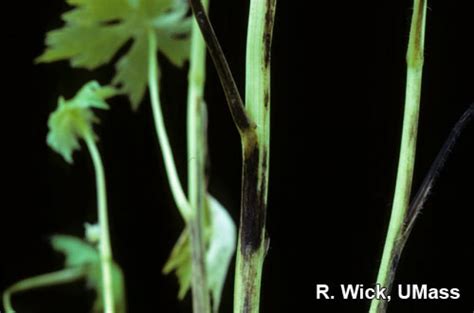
[(268, 32), (253, 213), (266, 100)]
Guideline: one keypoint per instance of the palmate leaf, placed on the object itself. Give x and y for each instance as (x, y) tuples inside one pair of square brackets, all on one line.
[(220, 247), (80, 253), (95, 30), (74, 118)]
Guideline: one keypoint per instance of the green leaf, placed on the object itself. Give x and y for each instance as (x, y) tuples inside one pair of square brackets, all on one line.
[(220, 251), (95, 30), (180, 262), (80, 253), (132, 70), (74, 118), (77, 252), (220, 247)]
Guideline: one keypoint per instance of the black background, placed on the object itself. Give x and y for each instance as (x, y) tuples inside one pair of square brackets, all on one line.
[(338, 93)]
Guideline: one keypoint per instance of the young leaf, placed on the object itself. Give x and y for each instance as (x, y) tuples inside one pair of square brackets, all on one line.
[(74, 118), (80, 253), (220, 251), (180, 262), (76, 251), (220, 247), (95, 30)]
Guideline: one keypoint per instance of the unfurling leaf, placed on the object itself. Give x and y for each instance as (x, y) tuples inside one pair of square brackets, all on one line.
[(95, 30), (220, 247), (80, 253), (180, 262), (74, 118)]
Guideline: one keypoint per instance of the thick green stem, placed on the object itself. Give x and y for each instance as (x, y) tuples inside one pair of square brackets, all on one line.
[(51, 279), (197, 182), (105, 248), (407, 153), (173, 177), (256, 152), (253, 123)]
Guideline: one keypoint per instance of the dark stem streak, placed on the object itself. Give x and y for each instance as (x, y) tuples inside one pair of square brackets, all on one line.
[(234, 100), (423, 192), (268, 35), (253, 206)]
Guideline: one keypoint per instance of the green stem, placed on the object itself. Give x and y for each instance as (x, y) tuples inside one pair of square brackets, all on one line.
[(407, 153), (173, 177), (105, 249), (51, 279), (197, 143), (201, 301), (256, 152)]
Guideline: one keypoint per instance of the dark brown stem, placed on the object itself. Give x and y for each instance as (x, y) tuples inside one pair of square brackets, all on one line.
[(234, 100)]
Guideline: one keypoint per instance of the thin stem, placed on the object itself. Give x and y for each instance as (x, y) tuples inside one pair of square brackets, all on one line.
[(407, 152), (173, 178), (422, 195), (46, 280), (252, 244), (106, 258), (423, 192), (197, 184), (234, 100)]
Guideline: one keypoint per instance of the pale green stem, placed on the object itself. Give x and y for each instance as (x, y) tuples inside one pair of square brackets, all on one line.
[(407, 151), (173, 177), (252, 244), (197, 143), (105, 249), (61, 277)]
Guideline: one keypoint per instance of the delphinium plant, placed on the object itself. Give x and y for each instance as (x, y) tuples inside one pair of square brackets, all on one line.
[(404, 209), (93, 34), (89, 258), (252, 120)]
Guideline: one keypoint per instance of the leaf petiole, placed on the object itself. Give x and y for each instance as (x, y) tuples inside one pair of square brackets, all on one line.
[(65, 276), (173, 178), (105, 249)]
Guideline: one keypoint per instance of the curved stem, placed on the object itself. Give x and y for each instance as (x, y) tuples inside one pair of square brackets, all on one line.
[(60, 277), (197, 182), (173, 178), (407, 153), (105, 248)]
